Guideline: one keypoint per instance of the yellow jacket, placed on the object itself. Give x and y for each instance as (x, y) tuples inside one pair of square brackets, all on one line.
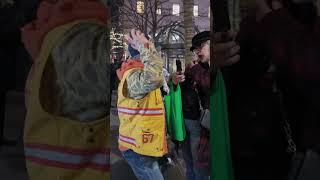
[(58, 148), (142, 122)]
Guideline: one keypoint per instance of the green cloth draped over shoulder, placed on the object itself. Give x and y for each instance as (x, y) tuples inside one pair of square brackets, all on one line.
[(221, 162)]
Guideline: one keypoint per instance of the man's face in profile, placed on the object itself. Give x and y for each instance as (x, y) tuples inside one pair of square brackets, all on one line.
[(203, 52)]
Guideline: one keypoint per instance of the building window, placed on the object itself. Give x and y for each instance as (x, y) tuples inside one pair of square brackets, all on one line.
[(176, 9), (196, 11), (159, 11), (140, 7)]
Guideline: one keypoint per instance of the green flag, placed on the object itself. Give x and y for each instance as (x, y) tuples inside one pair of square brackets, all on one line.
[(221, 163), (174, 116)]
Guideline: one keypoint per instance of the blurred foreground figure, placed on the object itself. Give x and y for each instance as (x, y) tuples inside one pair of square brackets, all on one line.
[(67, 92), (274, 90)]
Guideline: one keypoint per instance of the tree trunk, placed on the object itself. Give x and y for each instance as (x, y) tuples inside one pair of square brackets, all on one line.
[(154, 20), (188, 26), (145, 23)]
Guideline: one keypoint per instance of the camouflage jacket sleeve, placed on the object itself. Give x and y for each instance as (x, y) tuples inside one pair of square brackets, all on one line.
[(141, 82), (83, 71)]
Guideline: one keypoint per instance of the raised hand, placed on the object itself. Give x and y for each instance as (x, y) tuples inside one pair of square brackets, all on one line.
[(225, 53), (136, 38)]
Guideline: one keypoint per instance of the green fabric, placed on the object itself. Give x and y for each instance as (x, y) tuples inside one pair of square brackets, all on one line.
[(174, 116), (221, 163)]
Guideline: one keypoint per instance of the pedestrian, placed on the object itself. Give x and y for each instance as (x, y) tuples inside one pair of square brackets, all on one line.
[(142, 131), (195, 87)]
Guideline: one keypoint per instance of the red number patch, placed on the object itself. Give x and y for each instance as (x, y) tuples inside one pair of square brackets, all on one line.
[(147, 138)]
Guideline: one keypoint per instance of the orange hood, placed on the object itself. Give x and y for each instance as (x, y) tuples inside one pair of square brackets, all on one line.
[(130, 64), (52, 14)]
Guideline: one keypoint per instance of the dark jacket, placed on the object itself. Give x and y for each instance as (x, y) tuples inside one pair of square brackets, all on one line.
[(195, 87), (295, 50), (256, 133)]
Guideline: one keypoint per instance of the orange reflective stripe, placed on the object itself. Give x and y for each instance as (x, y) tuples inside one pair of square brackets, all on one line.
[(128, 140), (69, 158), (141, 111)]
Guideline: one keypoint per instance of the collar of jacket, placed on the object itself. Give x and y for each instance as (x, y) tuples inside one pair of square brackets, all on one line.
[(204, 65), (129, 64)]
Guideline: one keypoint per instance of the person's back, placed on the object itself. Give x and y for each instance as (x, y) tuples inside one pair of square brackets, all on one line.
[(299, 82), (292, 50), (255, 130)]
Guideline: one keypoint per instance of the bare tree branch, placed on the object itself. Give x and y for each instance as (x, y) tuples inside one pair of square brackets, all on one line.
[(150, 22), (162, 17)]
